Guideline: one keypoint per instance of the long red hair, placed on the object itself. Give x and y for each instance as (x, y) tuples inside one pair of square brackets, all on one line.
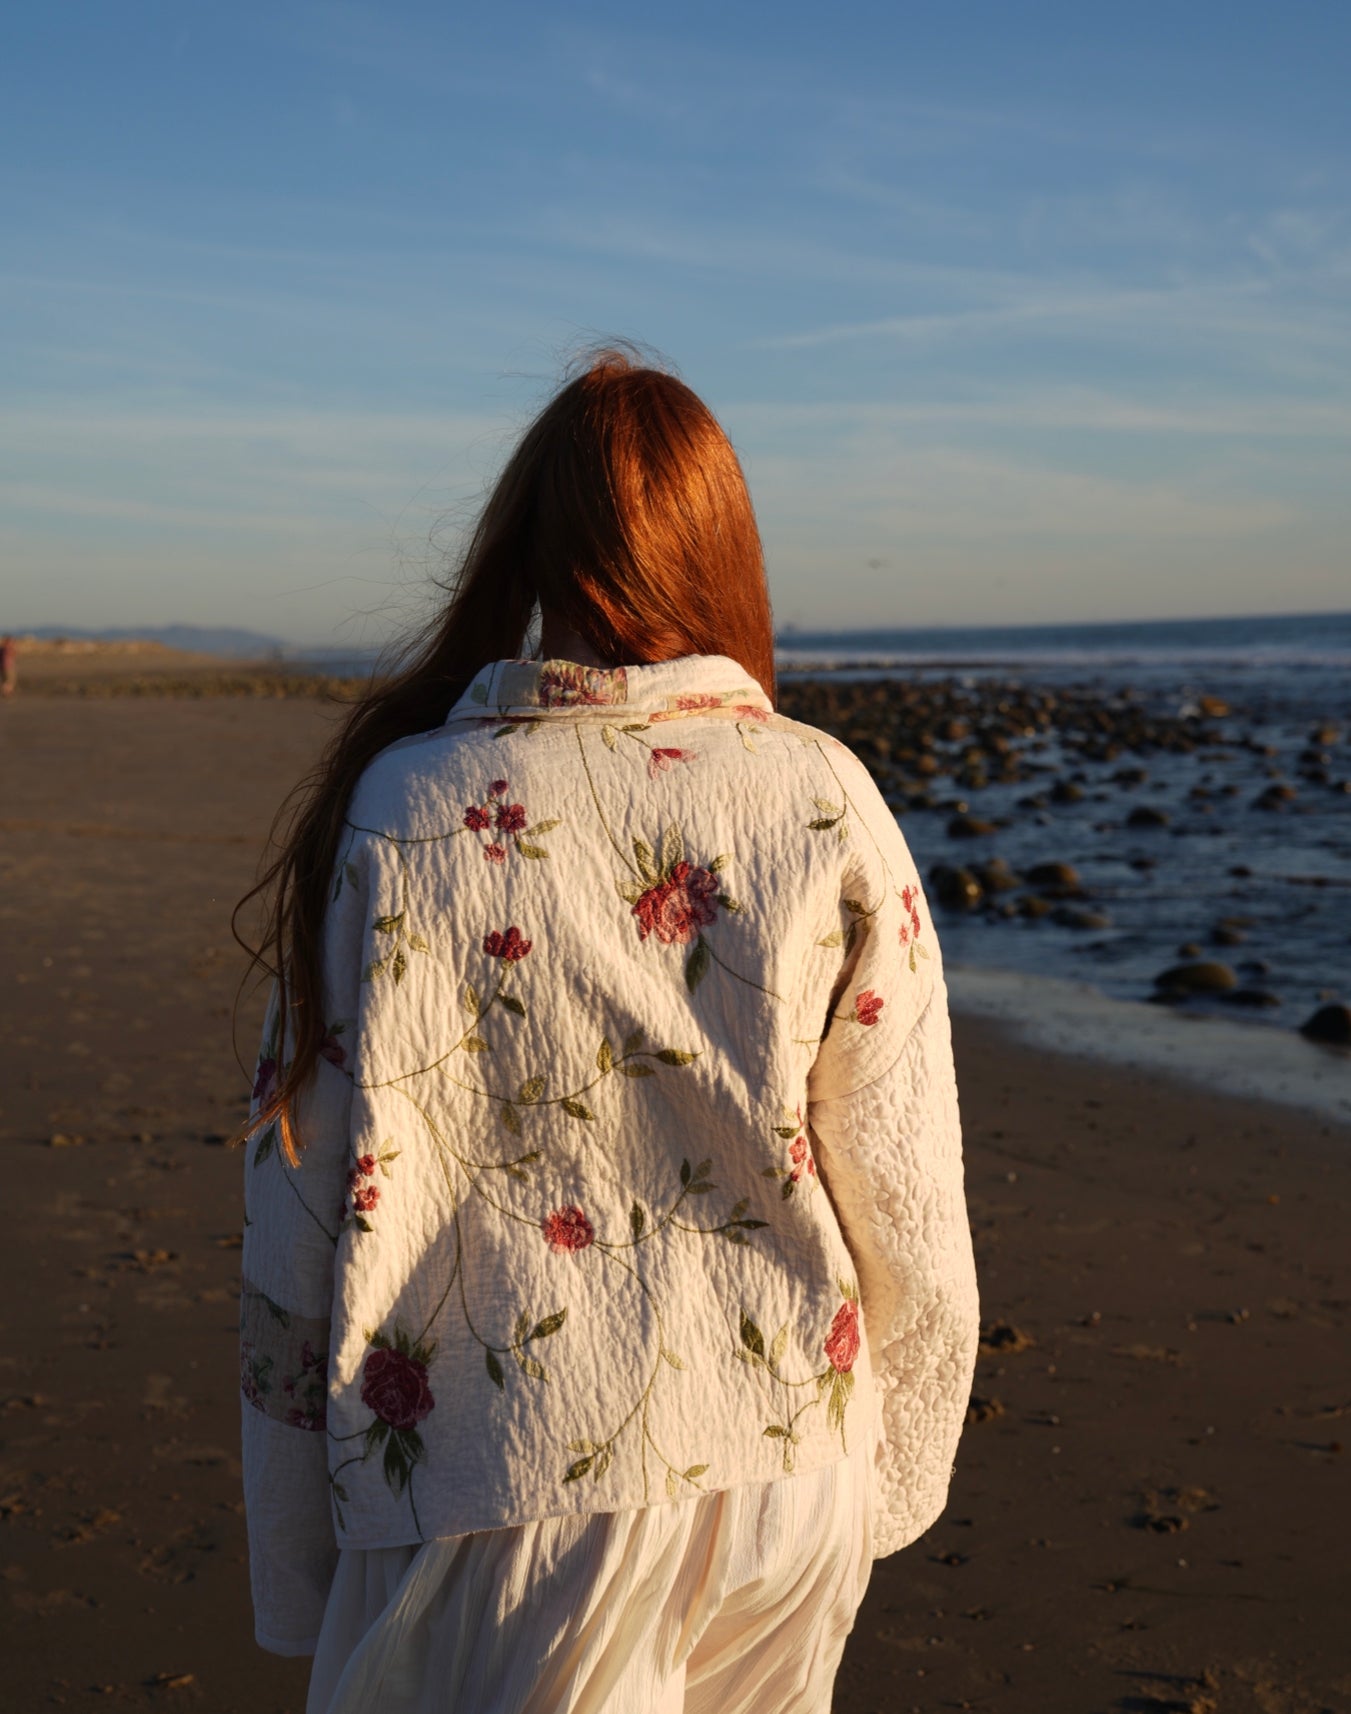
[(623, 512)]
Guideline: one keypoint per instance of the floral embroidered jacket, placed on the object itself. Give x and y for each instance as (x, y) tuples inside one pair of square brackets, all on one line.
[(632, 1169)]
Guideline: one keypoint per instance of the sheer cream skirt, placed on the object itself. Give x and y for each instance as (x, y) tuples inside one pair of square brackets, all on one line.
[(734, 1603)]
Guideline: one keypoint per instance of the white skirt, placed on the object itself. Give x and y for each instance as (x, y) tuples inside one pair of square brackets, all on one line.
[(735, 1603)]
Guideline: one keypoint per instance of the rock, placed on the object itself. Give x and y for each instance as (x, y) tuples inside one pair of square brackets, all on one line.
[(1191, 949), (958, 889), (1143, 862), (1065, 791), (1079, 916), (995, 875), (1131, 776), (1223, 935), (1274, 795), (1146, 815), (1033, 905), (1323, 736), (1048, 875), (1240, 871), (969, 827), (1256, 967), (1200, 976), (1330, 1024), (1213, 707), (1256, 998)]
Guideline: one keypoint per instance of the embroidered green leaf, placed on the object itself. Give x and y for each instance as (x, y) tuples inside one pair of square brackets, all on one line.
[(826, 807), (610, 736), (361, 1221), (696, 965), (605, 1057), (775, 1432), (387, 925), (576, 1109), (398, 967), (636, 726), (476, 1044), (510, 1118), (504, 731), (823, 822), (686, 1172), (512, 1004), (751, 1336), (779, 1346), (789, 1186), (834, 938), (522, 1323), (417, 943), (671, 1484), (530, 1090), (637, 1220), (633, 1041), (629, 891), (352, 874), (478, 692), (550, 1324), (602, 1463), (728, 903), (856, 907), (647, 862), (376, 1337), (340, 1491), (700, 1188), (703, 1167), (719, 863), (694, 1472), (921, 949), (376, 1434), (514, 1171), (676, 1056), (375, 968), (583, 1446), (266, 1144), (494, 1368), (536, 1371), (912, 960), (469, 1000), (747, 741), (672, 849), (530, 850), (579, 1469), (541, 828), (632, 1068), (786, 1130), (672, 1359), (839, 1400)]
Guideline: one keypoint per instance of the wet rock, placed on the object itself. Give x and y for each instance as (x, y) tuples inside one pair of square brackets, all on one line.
[(1080, 916), (1033, 905), (969, 827), (1213, 707), (1191, 949), (1254, 998), (1045, 876), (1224, 935), (1240, 871), (1323, 736), (1143, 862), (1147, 815), (1033, 800), (995, 875), (957, 889), (1131, 776), (1330, 1024), (1255, 967), (1198, 976), (1066, 791), (1274, 795)]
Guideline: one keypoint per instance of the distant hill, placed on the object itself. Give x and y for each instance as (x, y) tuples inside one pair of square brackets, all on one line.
[(196, 639)]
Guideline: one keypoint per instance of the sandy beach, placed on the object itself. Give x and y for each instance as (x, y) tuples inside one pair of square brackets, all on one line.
[(1151, 1500)]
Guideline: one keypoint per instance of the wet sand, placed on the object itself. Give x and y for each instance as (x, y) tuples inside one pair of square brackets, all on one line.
[(1150, 1511)]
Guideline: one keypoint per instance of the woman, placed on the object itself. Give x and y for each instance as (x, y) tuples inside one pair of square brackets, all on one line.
[(608, 1300)]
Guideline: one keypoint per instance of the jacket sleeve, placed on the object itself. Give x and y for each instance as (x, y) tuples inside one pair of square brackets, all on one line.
[(293, 1217), (887, 1139)]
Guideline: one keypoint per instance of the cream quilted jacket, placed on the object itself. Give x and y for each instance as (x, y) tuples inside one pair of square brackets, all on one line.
[(633, 1165)]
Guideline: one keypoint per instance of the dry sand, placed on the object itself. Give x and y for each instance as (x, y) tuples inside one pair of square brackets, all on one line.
[(1150, 1513)]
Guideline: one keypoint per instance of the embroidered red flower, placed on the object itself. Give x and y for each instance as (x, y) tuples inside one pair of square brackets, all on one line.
[(366, 1164), (394, 1386), (842, 1342), (564, 684), (365, 1200), (511, 817), (476, 819), (867, 1006), (702, 700), (510, 945), (678, 907), (749, 711), (495, 853), (332, 1050), (497, 788), (909, 898), (263, 1082), (567, 1229), (658, 761)]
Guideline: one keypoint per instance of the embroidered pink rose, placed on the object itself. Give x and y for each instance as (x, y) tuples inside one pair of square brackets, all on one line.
[(497, 788), (749, 711), (658, 761), (702, 700), (477, 819), (365, 1200), (567, 1229), (678, 907), (394, 1386), (842, 1342), (510, 945), (910, 899), (495, 853), (802, 1160), (265, 1080), (563, 684), (333, 1051), (511, 817), (868, 1006)]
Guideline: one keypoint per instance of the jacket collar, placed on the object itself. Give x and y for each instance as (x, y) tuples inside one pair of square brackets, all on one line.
[(534, 690)]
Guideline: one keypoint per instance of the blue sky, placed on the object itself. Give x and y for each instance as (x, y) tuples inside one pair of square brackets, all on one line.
[(1014, 313)]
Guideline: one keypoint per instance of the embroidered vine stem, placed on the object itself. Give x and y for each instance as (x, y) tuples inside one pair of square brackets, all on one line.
[(595, 798)]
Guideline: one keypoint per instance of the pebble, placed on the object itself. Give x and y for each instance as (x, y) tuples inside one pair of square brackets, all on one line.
[(1147, 815), (1201, 976), (1329, 1024)]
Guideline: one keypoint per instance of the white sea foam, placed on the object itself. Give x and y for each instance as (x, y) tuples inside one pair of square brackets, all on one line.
[(1235, 1058)]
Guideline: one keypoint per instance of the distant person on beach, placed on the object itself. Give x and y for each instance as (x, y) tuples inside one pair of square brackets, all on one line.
[(9, 666), (608, 1300)]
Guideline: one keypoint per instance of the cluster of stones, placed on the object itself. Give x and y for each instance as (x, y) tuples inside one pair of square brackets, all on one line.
[(916, 736)]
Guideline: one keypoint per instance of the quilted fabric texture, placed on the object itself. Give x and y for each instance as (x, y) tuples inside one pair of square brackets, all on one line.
[(632, 1170)]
